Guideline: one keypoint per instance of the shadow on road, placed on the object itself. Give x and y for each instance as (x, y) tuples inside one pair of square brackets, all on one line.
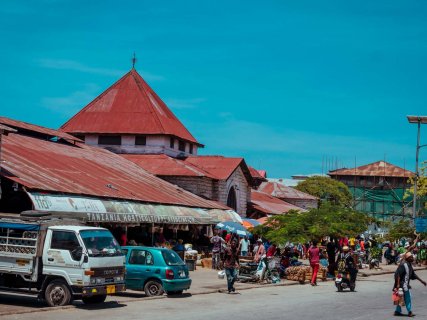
[(134, 294), (100, 306), (180, 296)]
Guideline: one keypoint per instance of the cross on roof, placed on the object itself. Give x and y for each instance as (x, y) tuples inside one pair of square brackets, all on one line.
[(133, 61)]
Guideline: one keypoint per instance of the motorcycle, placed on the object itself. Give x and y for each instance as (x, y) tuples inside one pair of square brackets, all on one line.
[(342, 281), (374, 263), (266, 270)]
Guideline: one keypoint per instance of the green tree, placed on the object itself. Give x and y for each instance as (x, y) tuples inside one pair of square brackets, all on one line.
[(327, 190), (401, 229), (328, 220)]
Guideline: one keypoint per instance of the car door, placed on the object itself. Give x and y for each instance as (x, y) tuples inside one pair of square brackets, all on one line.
[(135, 269), (151, 269)]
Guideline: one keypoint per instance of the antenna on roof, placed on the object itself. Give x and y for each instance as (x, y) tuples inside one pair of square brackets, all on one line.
[(133, 61)]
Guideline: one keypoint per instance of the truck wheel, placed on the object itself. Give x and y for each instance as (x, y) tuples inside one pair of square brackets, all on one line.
[(57, 294), (153, 288), (94, 299)]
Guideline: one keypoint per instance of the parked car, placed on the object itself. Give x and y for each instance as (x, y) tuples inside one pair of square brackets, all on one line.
[(155, 271)]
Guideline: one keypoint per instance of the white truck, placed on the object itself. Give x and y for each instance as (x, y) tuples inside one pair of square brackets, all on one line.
[(58, 260)]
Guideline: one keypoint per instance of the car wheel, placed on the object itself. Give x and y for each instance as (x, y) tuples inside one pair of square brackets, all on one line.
[(94, 299), (57, 294), (172, 293), (153, 288)]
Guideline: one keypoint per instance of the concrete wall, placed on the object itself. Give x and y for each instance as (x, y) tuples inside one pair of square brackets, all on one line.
[(156, 144)]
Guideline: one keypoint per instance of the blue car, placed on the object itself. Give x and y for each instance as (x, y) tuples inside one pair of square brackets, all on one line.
[(155, 271)]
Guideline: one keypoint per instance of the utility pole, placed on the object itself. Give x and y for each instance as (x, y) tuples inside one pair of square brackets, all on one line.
[(418, 120)]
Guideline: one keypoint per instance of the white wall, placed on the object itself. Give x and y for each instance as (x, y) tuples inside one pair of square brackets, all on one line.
[(156, 144)]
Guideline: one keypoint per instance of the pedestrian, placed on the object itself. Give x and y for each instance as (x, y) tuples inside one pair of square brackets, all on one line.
[(271, 251), (244, 246), (314, 258), (260, 251), (217, 242), (231, 262), (331, 250), (403, 275)]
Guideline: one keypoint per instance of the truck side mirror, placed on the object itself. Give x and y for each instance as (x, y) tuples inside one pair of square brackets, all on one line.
[(77, 253)]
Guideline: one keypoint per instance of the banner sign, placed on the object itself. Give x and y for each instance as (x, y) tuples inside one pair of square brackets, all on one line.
[(116, 211)]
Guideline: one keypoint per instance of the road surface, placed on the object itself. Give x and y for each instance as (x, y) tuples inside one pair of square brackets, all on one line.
[(372, 300)]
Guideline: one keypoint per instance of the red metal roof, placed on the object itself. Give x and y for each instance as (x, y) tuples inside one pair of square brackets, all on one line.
[(129, 106), (220, 167), (377, 169), (48, 166), (163, 165), (271, 205), (257, 174), (214, 167), (283, 192), (24, 126)]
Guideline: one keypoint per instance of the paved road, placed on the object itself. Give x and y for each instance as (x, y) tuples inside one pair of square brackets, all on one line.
[(371, 301)]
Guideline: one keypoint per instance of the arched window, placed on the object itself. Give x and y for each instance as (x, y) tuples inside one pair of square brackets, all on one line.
[(232, 199)]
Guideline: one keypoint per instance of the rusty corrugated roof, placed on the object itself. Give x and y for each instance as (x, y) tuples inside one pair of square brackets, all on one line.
[(48, 166), (220, 167), (257, 174), (163, 165), (129, 106), (271, 205), (22, 127), (214, 167), (281, 191), (377, 169)]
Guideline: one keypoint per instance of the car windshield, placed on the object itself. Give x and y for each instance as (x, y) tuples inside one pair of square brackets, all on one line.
[(172, 258), (100, 243)]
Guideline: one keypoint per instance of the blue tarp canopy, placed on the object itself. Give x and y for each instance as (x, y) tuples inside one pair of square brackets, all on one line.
[(20, 226)]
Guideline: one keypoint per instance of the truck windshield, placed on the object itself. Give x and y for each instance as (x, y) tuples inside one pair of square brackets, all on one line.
[(100, 243)]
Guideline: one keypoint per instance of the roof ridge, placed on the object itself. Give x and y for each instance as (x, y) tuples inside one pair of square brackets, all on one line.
[(134, 74)]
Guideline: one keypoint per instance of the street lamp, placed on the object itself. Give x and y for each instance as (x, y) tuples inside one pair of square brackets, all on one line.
[(418, 120)]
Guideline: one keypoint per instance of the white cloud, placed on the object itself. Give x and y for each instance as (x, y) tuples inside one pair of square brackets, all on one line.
[(64, 64), (76, 66), (71, 104), (244, 137), (184, 103)]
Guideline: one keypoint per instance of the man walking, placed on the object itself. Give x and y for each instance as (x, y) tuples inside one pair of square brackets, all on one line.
[(403, 275), (231, 262), (217, 242)]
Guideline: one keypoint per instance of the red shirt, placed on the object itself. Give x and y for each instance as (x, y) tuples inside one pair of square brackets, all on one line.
[(314, 255)]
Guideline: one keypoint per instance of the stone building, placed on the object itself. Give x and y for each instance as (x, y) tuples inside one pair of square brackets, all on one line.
[(222, 179), (130, 119)]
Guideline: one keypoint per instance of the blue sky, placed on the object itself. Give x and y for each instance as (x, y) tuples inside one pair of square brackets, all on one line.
[(284, 84)]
